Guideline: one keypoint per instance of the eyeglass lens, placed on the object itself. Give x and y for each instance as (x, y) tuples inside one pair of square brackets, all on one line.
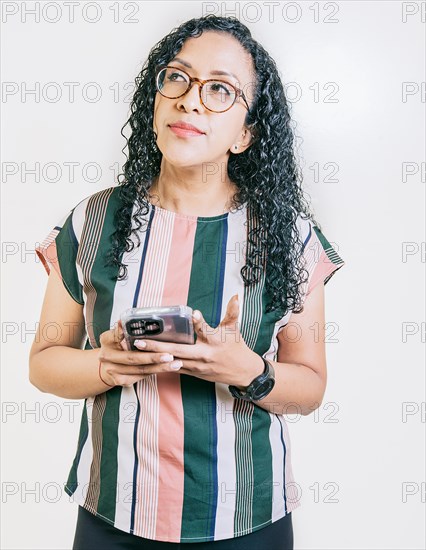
[(216, 95)]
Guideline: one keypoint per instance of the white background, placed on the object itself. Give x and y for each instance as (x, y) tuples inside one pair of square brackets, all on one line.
[(351, 457)]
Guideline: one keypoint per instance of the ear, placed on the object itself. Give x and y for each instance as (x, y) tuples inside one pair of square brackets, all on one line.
[(244, 143)]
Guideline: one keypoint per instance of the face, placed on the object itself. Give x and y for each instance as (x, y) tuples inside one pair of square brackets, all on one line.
[(209, 52)]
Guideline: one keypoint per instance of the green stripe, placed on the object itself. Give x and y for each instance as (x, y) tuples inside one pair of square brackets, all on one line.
[(72, 481), (252, 423), (103, 280), (199, 396), (333, 256), (110, 420), (244, 472), (66, 248), (262, 457)]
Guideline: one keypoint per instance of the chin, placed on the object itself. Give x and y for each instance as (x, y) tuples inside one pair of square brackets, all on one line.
[(184, 156)]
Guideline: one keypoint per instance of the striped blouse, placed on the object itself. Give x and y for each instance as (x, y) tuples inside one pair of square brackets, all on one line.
[(176, 458)]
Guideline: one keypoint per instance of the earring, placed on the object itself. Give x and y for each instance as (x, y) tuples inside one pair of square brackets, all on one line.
[(235, 146)]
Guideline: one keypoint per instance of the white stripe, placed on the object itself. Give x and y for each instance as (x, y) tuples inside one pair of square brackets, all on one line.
[(155, 269), (123, 295), (124, 290), (278, 457), (293, 490), (150, 294), (125, 458), (77, 220), (226, 467), (278, 504)]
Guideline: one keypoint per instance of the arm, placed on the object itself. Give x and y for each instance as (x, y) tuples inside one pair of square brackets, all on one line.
[(57, 364), (300, 372)]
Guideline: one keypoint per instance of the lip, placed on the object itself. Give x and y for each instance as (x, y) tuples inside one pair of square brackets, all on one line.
[(184, 128)]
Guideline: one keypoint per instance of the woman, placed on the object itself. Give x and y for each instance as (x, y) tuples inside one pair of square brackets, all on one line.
[(187, 445)]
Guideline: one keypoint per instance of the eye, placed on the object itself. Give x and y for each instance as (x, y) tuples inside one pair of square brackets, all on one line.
[(174, 76), (221, 87)]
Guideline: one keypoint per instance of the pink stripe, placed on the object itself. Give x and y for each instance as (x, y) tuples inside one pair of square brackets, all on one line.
[(320, 271), (171, 440), (149, 453), (48, 254)]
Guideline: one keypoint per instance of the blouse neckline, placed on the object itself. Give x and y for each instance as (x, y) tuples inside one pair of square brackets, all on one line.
[(218, 217)]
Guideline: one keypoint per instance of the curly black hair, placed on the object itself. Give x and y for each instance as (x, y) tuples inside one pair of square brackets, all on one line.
[(266, 173)]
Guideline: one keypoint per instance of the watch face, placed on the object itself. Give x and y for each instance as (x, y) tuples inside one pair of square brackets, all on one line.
[(264, 388)]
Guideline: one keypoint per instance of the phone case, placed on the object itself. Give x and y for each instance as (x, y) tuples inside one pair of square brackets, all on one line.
[(164, 323)]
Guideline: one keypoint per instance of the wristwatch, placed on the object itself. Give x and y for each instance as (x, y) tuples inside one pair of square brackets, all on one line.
[(259, 387)]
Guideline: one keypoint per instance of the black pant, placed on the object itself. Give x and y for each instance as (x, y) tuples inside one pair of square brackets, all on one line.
[(93, 533)]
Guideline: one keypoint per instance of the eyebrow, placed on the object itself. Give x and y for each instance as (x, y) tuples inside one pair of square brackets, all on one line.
[(189, 66)]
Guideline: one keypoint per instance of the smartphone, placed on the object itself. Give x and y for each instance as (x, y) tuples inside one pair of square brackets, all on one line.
[(165, 323)]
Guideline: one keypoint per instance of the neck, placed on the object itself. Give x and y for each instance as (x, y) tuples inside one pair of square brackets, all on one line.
[(204, 196)]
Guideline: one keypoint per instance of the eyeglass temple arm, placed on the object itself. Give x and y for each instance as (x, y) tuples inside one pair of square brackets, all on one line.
[(241, 94)]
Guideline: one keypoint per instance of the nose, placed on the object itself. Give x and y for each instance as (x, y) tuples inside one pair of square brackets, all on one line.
[(191, 100)]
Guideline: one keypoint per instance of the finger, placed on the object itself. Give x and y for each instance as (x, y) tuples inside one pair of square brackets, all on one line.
[(122, 372), (201, 328), (184, 351), (172, 366), (232, 312), (133, 357), (118, 335)]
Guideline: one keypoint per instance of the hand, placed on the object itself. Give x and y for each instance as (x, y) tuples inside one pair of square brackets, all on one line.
[(219, 355), (121, 366)]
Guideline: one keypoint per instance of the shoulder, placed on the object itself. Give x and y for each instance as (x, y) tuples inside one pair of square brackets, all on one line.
[(304, 226), (310, 233), (320, 256), (98, 196), (305, 230), (95, 204)]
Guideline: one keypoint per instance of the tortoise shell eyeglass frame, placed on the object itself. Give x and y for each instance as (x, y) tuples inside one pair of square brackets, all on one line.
[(238, 92)]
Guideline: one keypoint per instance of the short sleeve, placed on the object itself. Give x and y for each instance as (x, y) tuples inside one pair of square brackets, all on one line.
[(321, 259), (59, 250)]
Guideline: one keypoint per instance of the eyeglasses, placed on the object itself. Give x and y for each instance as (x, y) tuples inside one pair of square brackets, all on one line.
[(216, 95)]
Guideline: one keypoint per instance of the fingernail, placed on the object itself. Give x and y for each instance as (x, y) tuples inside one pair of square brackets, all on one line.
[(197, 315), (176, 365), (140, 343), (167, 357)]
